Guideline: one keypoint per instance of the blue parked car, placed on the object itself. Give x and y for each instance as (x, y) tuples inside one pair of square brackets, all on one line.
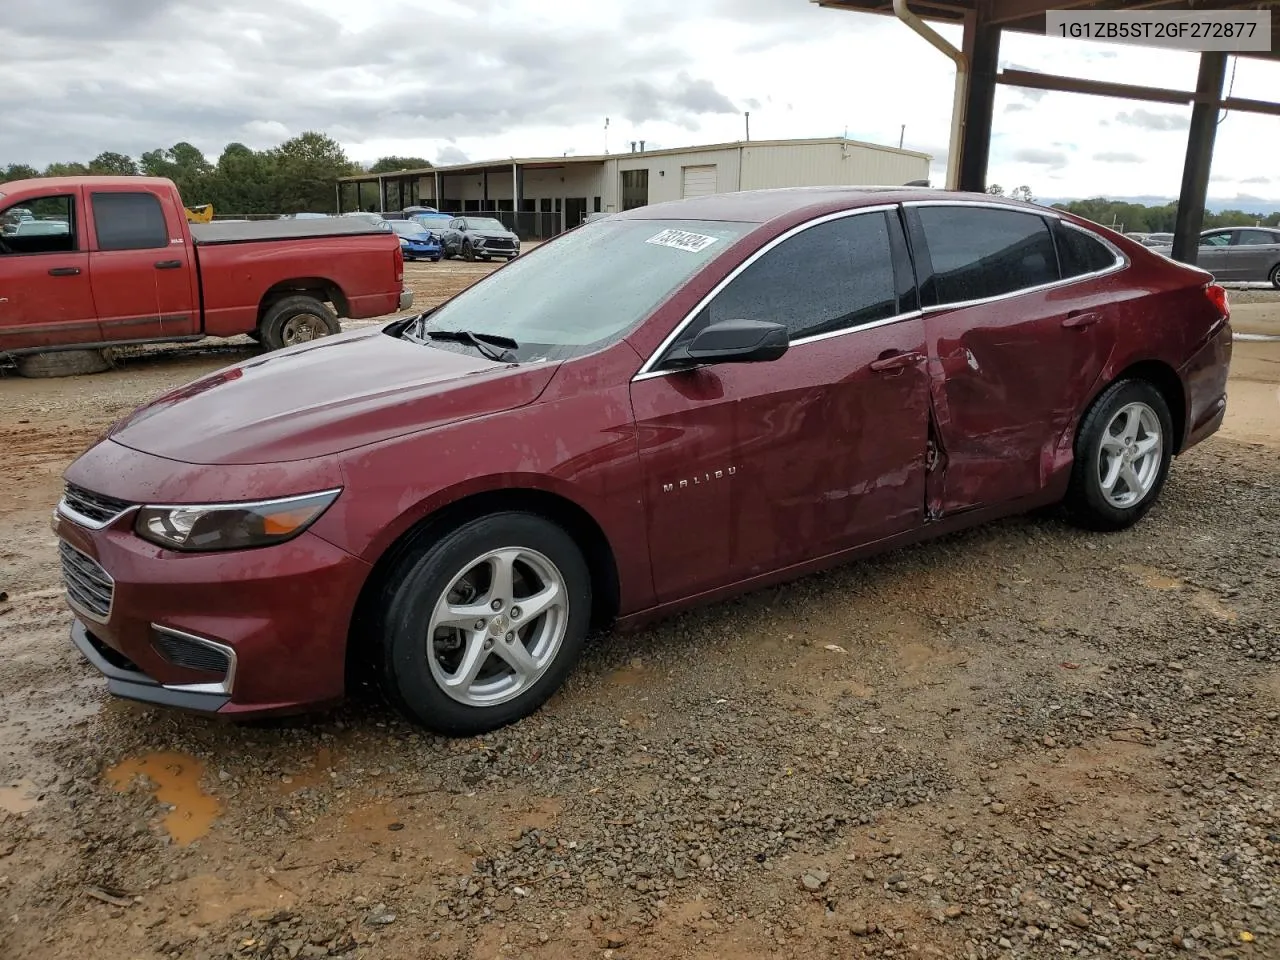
[(416, 241)]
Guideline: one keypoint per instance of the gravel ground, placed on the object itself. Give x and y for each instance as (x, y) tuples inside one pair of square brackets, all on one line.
[(1018, 741)]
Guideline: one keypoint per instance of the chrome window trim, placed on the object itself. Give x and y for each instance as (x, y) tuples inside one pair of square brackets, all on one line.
[(1122, 261), (227, 682), (647, 370), (77, 608)]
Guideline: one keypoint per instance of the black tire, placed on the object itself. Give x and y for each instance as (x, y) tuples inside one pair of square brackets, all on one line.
[(419, 582), (1275, 276), (468, 252), (1087, 503), (63, 363), (279, 325)]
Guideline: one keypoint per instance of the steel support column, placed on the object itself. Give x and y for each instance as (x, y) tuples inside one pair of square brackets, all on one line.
[(980, 102), (1195, 171)]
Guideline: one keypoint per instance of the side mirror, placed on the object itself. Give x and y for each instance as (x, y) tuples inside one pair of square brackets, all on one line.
[(739, 341)]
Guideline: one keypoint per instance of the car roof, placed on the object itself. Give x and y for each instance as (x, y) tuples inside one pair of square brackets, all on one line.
[(761, 206)]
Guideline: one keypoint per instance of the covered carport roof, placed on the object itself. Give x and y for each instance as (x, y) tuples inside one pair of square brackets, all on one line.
[(977, 74)]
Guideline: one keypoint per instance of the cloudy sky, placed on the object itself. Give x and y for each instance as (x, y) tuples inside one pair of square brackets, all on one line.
[(484, 79)]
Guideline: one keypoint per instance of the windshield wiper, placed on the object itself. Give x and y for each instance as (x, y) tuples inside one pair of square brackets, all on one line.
[(484, 342)]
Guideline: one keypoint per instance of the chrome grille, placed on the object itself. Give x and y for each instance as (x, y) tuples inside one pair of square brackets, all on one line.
[(89, 588), (94, 506)]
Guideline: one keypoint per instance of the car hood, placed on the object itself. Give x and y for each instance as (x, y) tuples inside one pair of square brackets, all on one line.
[(324, 397)]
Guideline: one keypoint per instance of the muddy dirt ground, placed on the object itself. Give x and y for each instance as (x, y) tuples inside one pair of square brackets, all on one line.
[(1020, 741)]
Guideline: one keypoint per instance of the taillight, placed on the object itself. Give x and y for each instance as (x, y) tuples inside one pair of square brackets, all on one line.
[(399, 263), (1218, 297)]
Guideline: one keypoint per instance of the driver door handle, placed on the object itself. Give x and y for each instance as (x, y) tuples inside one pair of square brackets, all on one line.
[(168, 264), (897, 362), (64, 272)]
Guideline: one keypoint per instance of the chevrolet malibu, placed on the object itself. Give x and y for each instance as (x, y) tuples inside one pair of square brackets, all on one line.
[(664, 408)]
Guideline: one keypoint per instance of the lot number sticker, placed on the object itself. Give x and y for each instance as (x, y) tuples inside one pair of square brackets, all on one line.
[(682, 240)]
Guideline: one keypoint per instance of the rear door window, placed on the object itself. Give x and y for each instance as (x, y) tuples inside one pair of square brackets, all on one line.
[(1253, 238), (129, 221), (982, 252)]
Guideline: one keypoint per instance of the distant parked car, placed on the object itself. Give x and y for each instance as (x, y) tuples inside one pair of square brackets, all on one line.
[(377, 219), (1240, 254), (416, 241), (41, 228), (1157, 239), (479, 238)]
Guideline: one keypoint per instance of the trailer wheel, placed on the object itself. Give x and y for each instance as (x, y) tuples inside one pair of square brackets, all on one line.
[(295, 320), (63, 363)]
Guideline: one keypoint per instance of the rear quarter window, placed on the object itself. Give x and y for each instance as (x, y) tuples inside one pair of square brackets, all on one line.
[(1080, 253)]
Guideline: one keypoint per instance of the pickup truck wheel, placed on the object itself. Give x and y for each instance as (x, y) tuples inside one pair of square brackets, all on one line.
[(483, 625), (63, 363), (295, 320)]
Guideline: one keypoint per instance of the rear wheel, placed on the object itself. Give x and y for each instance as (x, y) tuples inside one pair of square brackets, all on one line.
[(482, 626), (1122, 457), (295, 320)]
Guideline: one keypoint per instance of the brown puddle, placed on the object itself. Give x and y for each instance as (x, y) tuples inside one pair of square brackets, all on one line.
[(177, 780), (18, 797)]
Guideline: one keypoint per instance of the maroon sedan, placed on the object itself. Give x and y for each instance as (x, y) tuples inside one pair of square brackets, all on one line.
[(658, 409)]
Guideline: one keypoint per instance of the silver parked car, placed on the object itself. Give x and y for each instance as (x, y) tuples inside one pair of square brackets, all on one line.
[(1238, 253)]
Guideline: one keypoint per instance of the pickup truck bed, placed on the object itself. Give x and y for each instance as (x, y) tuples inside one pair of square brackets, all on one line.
[(248, 231)]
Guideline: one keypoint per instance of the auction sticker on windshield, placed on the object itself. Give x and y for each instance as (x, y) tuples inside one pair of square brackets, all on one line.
[(682, 240)]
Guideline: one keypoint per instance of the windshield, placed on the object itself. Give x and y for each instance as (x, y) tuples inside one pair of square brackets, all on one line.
[(587, 288), (485, 223), (407, 228), (433, 223)]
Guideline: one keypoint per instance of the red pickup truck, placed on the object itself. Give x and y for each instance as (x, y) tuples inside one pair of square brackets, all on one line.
[(90, 262)]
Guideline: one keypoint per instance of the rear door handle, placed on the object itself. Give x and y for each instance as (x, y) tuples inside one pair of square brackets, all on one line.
[(1079, 319), (64, 272), (896, 362), (168, 264)]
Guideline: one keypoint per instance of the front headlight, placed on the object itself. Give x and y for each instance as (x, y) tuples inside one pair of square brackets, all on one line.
[(231, 526)]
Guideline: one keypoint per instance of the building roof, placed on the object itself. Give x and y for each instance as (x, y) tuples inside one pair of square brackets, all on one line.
[(533, 163), (1027, 16), (760, 206)]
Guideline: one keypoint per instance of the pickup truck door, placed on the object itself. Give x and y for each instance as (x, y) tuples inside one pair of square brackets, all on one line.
[(45, 296), (143, 280)]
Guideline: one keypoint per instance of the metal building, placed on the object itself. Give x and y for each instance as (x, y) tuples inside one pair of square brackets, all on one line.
[(542, 196)]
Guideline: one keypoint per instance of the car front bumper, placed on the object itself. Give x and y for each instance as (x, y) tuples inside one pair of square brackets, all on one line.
[(240, 633)]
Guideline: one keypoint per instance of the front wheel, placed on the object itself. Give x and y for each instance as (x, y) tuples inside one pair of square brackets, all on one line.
[(468, 253), (1275, 276), (484, 625), (1122, 457)]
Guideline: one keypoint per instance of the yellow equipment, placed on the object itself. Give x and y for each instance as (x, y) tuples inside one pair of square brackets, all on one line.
[(202, 213)]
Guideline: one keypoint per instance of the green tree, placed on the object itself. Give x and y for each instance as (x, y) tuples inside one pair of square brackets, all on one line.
[(305, 170), (18, 171), (66, 170), (113, 164), (396, 164)]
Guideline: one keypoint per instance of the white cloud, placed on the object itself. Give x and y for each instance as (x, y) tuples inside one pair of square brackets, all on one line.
[(502, 78)]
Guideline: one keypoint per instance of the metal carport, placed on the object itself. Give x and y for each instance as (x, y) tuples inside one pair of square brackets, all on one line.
[(977, 73)]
